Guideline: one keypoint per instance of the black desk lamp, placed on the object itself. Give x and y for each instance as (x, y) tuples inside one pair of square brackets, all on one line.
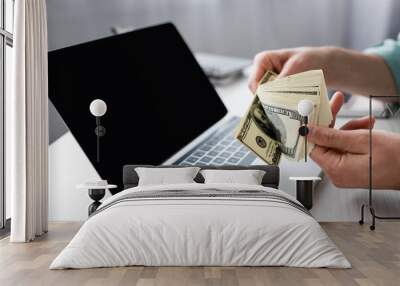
[(98, 108), (304, 107)]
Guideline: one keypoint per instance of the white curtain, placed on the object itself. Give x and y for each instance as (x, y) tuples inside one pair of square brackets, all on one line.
[(27, 123)]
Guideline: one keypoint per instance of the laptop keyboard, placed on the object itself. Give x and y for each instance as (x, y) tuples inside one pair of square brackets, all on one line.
[(221, 148)]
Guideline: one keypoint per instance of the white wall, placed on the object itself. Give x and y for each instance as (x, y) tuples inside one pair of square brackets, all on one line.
[(68, 167), (372, 21), (231, 27)]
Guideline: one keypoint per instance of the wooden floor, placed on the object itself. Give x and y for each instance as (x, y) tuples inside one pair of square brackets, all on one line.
[(375, 257)]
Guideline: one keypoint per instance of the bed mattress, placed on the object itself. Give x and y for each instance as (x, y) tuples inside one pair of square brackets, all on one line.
[(201, 225)]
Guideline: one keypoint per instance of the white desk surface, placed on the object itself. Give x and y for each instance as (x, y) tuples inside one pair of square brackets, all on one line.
[(95, 187), (305, 178), (330, 202)]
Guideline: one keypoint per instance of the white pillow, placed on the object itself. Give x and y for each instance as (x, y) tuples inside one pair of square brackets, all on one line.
[(164, 176), (248, 177)]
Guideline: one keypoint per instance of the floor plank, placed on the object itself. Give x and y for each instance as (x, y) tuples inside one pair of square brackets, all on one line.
[(375, 257)]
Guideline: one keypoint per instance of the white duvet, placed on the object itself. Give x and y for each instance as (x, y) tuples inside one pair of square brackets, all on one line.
[(199, 231)]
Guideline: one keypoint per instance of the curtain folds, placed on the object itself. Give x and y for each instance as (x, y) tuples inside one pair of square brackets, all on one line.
[(28, 123)]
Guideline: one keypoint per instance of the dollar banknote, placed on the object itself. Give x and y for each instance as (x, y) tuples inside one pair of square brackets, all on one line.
[(270, 125), (256, 132)]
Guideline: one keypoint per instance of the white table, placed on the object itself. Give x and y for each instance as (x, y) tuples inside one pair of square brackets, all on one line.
[(96, 193), (304, 190)]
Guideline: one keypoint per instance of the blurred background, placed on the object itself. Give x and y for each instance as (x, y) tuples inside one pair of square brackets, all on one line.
[(231, 27), (226, 27)]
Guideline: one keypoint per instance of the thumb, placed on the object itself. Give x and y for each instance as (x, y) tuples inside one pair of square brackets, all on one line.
[(354, 141)]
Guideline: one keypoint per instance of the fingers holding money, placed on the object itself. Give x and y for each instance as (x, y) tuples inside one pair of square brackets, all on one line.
[(333, 145), (270, 126), (354, 141), (339, 166), (335, 149), (268, 60)]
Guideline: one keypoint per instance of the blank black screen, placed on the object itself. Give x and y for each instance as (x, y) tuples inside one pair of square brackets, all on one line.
[(157, 96)]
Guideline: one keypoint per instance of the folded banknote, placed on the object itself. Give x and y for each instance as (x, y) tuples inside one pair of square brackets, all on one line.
[(271, 125)]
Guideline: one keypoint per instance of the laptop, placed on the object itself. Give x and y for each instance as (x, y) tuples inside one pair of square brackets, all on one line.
[(161, 107)]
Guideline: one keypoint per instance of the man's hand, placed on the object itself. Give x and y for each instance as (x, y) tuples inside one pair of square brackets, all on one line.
[(344, 69), (344, 155), (287, 61)]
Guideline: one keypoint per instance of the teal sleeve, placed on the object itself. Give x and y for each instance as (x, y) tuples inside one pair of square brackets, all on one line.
[(389, 50)]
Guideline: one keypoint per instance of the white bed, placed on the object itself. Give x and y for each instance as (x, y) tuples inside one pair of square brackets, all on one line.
[(205, 230)]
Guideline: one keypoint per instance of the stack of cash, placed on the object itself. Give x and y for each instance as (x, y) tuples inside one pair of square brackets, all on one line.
[(271, 125)]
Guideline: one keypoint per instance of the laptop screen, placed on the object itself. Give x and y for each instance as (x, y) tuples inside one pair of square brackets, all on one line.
[(158, 98)]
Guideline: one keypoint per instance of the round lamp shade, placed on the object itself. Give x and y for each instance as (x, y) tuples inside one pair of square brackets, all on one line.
[(98, 107), (305, 107)]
